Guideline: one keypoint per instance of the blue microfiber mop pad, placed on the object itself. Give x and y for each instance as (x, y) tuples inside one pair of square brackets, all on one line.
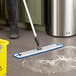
[(35, 51)]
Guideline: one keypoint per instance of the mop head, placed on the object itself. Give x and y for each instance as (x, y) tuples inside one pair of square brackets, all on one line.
[(35, 51)]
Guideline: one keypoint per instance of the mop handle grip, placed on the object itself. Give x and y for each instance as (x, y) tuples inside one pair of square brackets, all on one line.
[(38, 44)]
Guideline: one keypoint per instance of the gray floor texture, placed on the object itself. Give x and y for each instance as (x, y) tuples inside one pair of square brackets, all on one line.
[(16, 67)]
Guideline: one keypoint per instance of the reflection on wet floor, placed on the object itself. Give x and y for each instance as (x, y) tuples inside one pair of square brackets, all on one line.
[(62, 60)]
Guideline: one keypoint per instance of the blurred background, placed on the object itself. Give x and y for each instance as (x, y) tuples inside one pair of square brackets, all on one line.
[(37, 12)]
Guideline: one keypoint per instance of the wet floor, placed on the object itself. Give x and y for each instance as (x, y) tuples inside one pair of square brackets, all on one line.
[(60, 62)]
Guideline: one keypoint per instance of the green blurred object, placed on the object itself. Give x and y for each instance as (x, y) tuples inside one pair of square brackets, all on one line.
[(36, 8)]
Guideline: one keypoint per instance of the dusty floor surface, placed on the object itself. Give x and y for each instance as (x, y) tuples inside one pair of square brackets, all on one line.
[(16, 67)]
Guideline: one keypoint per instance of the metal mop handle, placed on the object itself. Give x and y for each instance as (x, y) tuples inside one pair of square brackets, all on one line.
[(31, 22)]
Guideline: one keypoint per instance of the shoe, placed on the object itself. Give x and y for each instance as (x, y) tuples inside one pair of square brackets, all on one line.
[(14, 34)]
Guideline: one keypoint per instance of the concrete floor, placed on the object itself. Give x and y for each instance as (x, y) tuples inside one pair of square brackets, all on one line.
[(26, 42)]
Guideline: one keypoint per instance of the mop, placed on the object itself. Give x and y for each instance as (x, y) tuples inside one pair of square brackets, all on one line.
[(39, 49)]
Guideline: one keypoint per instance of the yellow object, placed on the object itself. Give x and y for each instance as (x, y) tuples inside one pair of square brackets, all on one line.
[(3, 57)]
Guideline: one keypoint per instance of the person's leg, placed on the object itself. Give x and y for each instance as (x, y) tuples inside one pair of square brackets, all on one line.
[(0, 8), (12, 17)]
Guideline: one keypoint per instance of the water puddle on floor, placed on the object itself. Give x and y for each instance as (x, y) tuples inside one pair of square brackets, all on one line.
[(61, 60)]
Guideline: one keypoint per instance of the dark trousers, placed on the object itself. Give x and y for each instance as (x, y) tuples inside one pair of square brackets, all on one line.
[(12, 12)]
